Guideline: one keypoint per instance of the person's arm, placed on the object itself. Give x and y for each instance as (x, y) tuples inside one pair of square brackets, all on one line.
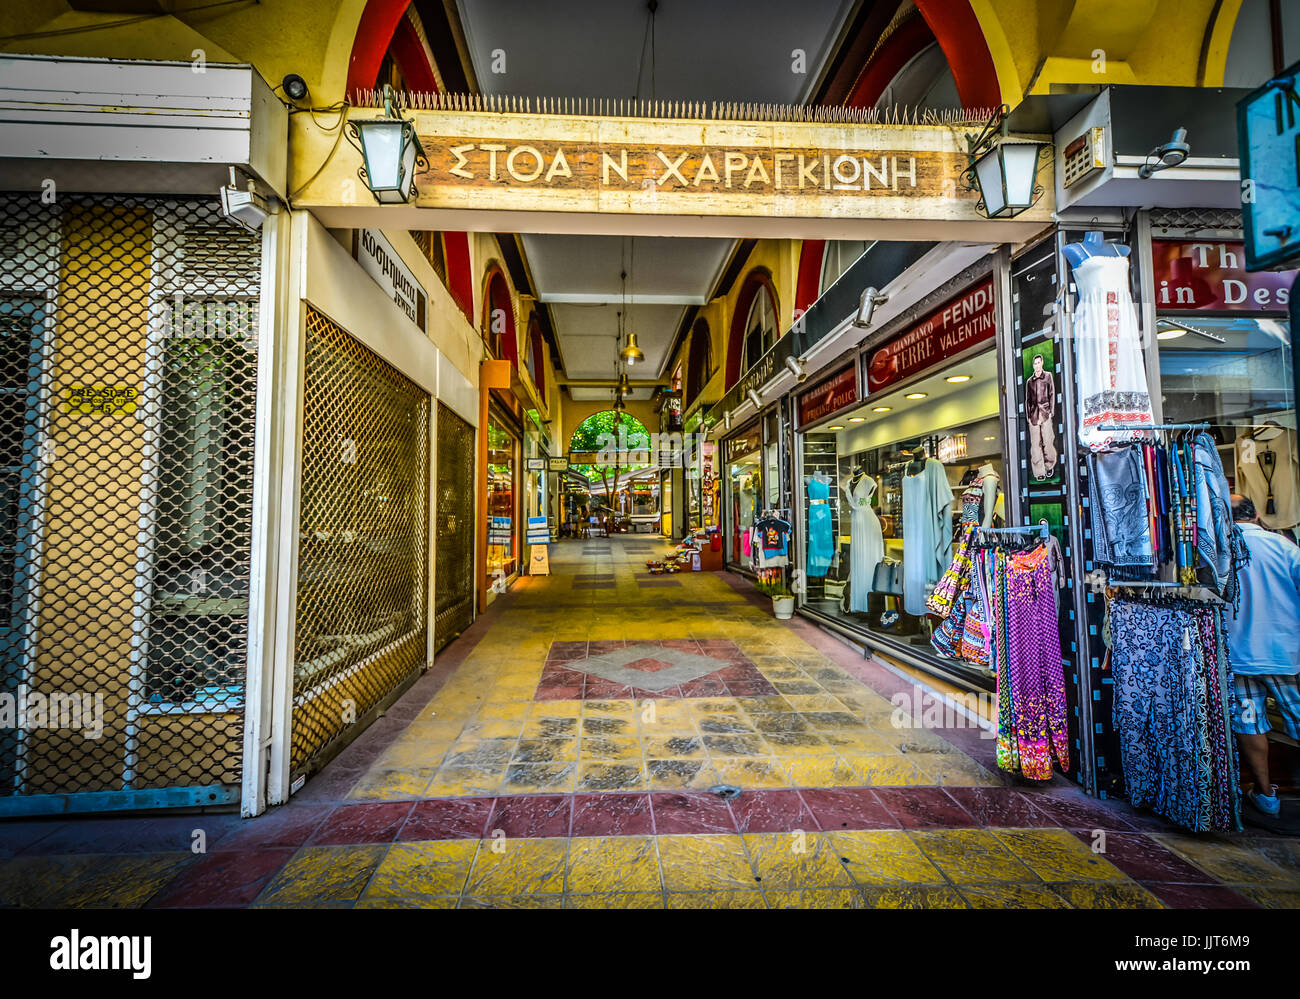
[(1051, 397)]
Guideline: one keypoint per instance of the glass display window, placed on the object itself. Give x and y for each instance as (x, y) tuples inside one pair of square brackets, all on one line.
[(889, 488), (744, 500), (502, 493), (1235, 374)]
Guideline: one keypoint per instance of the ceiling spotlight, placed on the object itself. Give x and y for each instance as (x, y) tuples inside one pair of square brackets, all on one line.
[(797, 368), (1171, 334), (1174, 330), (881, 409), (914, 395), (836, 427), (867, 306), (755, 398), (295, 87), (1169, 155), (857, 419), (957, 379)]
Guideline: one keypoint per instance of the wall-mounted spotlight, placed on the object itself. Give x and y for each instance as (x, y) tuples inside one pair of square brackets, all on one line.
[(867, 307), (797, 368), (1169, 155), (755, 398), (246, 208), (726, 419), (294, 86)]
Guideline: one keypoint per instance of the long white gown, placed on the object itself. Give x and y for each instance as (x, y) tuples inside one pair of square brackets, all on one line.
[(1112, 374), (866, 543)]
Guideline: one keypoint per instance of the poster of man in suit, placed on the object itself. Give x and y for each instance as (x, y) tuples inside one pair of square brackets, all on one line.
[(1040, 411)]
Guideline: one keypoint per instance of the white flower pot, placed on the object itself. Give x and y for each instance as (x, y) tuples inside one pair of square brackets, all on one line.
[(783, 607)]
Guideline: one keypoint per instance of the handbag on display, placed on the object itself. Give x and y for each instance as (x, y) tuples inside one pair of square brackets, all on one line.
[(889, 577), (834, 588)]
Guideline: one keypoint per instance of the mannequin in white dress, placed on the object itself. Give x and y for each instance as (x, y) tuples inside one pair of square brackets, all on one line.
[(866, 543)]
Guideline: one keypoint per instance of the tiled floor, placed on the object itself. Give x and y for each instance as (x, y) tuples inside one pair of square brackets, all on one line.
[(562, 754)]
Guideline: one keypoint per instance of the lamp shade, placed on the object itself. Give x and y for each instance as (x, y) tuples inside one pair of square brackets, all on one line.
[(388, 146), (632, 352), (1006, 175)]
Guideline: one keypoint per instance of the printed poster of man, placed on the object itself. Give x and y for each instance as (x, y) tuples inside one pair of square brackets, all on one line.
[(1040, 411)]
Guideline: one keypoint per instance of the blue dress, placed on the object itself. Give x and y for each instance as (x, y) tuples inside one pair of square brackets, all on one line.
[(821, 543)]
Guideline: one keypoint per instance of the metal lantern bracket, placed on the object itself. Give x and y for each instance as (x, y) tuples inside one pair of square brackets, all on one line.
[(978, 145), (409, 134)]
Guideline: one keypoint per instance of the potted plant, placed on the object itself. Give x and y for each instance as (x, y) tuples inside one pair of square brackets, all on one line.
[(782, 598)]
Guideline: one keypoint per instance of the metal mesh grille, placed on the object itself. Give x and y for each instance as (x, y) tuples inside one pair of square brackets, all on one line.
[(128, 333), (454, 541), (362, 564), (1195, 219)]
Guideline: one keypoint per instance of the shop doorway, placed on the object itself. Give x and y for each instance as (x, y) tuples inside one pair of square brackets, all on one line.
[(454, 538)]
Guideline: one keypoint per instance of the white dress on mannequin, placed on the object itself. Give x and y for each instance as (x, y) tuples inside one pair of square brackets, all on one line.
[(1112, 374), (866, 543)]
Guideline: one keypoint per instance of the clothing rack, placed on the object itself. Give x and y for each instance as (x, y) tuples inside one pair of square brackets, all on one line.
[(1041, 527), (1161, 426)]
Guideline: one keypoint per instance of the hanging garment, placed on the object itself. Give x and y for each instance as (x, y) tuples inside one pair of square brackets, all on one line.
[(821, 543), (1111, 373), (1035, 670), (1216, 535), (1121, 535), (927, 533), (866, 543), (955, 579), (1171, 698), (1266, 473), (771, 543)]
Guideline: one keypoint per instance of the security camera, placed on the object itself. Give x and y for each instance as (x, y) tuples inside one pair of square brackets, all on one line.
[(295, 87), (1169, 155), (867, 306), (246, 208)]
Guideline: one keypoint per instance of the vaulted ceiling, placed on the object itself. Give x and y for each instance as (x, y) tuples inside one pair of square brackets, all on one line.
[(737, 50)]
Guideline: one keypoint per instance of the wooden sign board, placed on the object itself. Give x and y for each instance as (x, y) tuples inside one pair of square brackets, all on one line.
[(576, 165), (539, 563)]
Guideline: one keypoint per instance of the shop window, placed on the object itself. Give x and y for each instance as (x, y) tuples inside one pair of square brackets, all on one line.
[(838, 256), (503, 487), (744, 470), (888, 487)]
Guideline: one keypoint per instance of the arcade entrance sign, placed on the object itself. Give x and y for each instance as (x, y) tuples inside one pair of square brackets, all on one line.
[(550, 172)]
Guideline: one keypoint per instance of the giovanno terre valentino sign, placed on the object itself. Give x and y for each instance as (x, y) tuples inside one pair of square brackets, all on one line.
[(957, 324)]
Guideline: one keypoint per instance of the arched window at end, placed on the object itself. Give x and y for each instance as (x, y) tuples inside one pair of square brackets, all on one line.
[(499, 320), (699, 362)]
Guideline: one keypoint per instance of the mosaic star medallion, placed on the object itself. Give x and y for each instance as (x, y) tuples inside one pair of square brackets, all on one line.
[(650, 669)]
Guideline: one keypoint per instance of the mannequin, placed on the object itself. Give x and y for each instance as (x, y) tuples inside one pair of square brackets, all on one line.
[(866, 543), (1111, 373), (821, 544), (980, 498), (927, 532)]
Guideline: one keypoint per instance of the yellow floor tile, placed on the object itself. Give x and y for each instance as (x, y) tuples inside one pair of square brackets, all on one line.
[(705, 863), (817, 898), (624, 900), (1057, 855), (762, 772), (1107, 895), (323, 874), (1032, 895), (884, 856), (427, 869), (715, 900), (971, 856), (519, 867), (787, 861), (613, 864)]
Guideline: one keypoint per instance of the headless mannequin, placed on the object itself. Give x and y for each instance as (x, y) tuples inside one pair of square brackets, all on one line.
[(1094, 244), (992, 490), (917, 465)]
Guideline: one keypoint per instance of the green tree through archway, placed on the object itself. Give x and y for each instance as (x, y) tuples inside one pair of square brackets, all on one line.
[(609, 432)]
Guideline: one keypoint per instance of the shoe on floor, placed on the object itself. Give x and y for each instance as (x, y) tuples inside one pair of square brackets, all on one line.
[(1285, 821)]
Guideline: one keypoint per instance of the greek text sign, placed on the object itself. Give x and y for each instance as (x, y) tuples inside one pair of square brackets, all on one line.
[(961, 322)]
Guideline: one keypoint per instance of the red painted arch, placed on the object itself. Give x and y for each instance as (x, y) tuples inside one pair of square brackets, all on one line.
[(412, 60), (536, 355), (496, 296), (460, 272), (808, 286), (754, 280), (962, 39), (374, 34), (911, 37)]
